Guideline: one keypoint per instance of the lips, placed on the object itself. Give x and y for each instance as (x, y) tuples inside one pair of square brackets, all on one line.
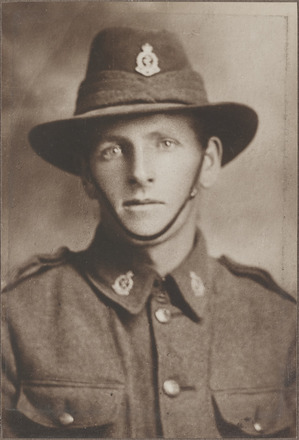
[(142, 202)]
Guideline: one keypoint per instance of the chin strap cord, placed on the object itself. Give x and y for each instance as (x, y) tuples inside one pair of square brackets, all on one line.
[(192, 193)]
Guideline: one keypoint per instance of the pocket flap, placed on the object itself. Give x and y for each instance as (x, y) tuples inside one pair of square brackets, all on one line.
[(68, 404), (257, 413)]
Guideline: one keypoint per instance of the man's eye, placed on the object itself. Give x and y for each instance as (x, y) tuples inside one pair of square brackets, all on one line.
[(111, 152), (168, 144)]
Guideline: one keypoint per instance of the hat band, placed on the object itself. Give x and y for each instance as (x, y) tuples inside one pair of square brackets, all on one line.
[(111, 88)]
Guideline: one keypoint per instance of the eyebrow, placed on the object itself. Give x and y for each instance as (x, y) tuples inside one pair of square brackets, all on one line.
[(118, 138), (161, 134), (109, 138)]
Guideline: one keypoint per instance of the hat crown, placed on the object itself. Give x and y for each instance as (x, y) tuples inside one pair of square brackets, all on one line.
[(133, 66), (117, 49)]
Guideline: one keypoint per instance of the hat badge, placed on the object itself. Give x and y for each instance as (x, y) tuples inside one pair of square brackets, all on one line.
[(197, 284), (123, 284), (147, 61)]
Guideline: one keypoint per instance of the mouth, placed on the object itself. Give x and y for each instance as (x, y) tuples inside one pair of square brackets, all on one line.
[(141, 203), (138, 202)]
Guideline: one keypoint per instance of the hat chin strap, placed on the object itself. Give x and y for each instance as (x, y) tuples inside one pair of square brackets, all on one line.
[(145, 238)]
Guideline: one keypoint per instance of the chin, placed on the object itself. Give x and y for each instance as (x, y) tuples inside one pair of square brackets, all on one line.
[(145, 229), (148, 232)]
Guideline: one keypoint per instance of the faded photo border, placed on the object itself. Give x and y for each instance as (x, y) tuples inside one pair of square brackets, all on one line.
[(246, 52)]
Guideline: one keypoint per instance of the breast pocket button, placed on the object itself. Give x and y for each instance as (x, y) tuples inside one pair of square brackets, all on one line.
[(163, 315), (171, 388), (66, 419), (257, 426)]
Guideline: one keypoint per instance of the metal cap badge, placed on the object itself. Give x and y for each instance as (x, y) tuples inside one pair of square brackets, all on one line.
[(147, 61)]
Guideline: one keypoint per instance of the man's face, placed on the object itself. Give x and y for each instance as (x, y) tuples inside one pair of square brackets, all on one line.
[(146, 167)]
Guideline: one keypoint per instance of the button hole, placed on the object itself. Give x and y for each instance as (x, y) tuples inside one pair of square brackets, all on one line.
[(176, 314), (188, 388)]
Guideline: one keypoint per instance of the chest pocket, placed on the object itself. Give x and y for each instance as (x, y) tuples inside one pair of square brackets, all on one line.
[(69, 405), (253, 413)]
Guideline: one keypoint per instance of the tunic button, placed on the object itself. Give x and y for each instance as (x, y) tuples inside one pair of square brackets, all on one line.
[(66, 419), (171, 388), (257, 427), (163, 315)]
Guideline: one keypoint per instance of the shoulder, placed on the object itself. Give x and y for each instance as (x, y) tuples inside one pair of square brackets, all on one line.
[(249, 298), (255, 278), (44, 285), (251, 294), (42, 266)]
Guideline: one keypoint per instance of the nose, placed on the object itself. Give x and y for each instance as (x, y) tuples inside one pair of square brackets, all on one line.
[(141, 167)]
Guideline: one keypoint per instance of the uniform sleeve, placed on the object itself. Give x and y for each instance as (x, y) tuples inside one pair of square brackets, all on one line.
[(13, 422), (291, 387), (9, 379)]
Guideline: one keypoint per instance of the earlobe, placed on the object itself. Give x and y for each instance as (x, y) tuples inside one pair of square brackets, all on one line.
[(211, 162), (89, 188)]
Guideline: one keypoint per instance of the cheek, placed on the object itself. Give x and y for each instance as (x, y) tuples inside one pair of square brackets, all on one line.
[(177, 183), (191, 162), (109, 176), (182, 171)]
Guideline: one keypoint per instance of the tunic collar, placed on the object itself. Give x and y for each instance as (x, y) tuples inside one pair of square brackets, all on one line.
[(114, 271)]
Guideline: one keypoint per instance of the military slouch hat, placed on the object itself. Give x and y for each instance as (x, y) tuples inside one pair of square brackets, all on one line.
[(135, 72)]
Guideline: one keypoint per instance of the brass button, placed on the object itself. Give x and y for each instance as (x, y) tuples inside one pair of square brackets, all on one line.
[(171, 388), (163, 315), (257, 426), (66, 419)]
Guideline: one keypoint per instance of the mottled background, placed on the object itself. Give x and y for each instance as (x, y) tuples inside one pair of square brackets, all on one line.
[(245, 51)]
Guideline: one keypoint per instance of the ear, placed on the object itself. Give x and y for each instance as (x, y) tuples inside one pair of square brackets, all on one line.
[(211, 163), (87, 182), (89, 188)]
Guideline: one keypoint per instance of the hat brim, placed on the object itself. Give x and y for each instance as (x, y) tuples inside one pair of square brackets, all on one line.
[(60, 142)]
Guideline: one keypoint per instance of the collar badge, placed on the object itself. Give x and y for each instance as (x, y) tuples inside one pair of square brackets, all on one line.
[(123, 284), (197, 285), (147, 61)]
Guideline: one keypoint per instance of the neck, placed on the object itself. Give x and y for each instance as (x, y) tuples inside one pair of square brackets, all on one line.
[(169, 254)]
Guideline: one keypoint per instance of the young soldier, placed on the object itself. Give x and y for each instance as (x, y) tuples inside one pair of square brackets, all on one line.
[(144, 335)]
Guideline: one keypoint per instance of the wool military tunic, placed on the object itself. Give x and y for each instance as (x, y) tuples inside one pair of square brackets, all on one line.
[(97, 344)]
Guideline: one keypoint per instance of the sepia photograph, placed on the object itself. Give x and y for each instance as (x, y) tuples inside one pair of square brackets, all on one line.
[(149, 219)]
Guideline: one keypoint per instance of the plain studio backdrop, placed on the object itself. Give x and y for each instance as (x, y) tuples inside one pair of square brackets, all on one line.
[(246, 52)]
